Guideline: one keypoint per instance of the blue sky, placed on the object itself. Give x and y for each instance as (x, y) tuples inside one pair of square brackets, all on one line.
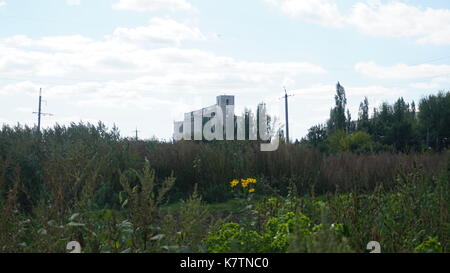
[(143, 63)]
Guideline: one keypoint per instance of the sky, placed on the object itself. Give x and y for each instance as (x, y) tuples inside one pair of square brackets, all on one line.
[(144, 63)]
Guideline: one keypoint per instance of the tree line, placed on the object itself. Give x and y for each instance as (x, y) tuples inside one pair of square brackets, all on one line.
[(398, 127)]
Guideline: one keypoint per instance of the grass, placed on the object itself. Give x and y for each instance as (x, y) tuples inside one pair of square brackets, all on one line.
[(85, 184), (220, 208)]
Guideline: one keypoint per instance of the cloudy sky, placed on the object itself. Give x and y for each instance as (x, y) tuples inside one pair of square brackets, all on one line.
[(143, 63)]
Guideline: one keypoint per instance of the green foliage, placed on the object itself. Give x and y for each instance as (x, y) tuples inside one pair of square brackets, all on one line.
[(337, 120), (289, 231), (324, 239), (186, 232), (278, 222), (231, 238), (85, 183), (431, 245), (279, 229), (336, 141), (399, 218), (434, 120), (412, 216), (316, 137), (397, 127), (363, 118), (142, 200), (357, 142)]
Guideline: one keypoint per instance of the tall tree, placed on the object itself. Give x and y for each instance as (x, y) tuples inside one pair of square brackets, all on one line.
[(434, 120), (337, 119), (363, 116), (401, 133), (349, 124), (316, 134)]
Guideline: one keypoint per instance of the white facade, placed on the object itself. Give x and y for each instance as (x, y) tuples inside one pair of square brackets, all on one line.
[(198, 118)]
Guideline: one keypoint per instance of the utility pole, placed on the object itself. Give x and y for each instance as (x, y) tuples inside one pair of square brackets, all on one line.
[(287, 113), (136, 131), (39, 113), (40, 110)]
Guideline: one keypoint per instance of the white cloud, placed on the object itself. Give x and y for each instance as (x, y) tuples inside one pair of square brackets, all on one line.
[(24, 110), (120, 71), (402, 71), (26, 87), (392, 19), (374, 91), (327, 91), (56, 43), (424, 85), (323, 12), (110, 59), (316, 91), (2, 4), (434, 84), (159, 31), (129, 51), (152, 5), (397, 19), (73, 2), (20, 50)]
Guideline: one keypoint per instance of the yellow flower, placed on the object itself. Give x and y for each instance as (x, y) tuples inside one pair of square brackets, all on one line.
[(244, 183), (251, 190), (251, 180), (234, 183)]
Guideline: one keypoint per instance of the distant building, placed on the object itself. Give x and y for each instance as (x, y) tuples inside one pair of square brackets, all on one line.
[(204, 115)]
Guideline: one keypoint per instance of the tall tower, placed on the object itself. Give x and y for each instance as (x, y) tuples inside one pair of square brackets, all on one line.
[(223, 101)]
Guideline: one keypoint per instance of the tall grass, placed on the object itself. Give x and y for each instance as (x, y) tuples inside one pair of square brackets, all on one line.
[(86, 183)]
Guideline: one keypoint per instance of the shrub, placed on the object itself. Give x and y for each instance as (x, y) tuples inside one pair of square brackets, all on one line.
[(143, 198), (431, 245)]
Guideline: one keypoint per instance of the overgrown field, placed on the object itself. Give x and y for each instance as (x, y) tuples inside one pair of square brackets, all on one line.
[(85, 183)]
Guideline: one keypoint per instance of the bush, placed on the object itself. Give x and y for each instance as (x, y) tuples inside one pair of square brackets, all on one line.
[(431, 245)]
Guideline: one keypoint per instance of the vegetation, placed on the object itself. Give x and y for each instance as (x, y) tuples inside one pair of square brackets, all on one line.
[(383, 178), (395, 128)]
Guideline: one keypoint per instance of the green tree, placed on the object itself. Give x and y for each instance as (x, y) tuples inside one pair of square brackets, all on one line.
[(434, 120), (401, 133), (317, 136), (363, 118), (338, 120), (349, 124), (359, 142)]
